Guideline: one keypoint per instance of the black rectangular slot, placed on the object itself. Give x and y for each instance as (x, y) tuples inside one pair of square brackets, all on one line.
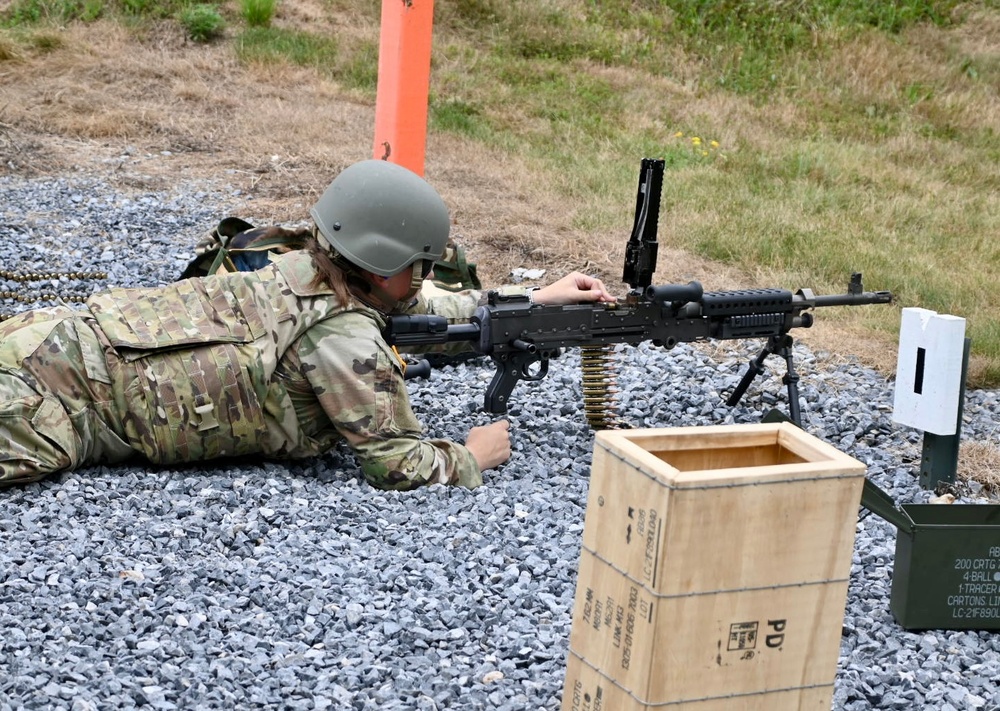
[(918, 378)]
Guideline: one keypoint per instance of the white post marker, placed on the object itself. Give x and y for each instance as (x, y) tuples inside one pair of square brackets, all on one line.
[(930, 386)]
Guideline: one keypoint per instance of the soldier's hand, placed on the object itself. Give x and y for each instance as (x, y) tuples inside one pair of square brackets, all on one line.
[(490, 444), (574, 288)]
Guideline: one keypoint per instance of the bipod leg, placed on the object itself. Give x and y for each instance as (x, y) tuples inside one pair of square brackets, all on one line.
[(755, 368), (791, 380)]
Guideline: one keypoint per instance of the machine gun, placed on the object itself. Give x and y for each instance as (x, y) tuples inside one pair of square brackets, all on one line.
[(521, 337)]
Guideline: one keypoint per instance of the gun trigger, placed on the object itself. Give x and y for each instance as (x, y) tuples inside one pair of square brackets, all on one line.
[(532, 376)]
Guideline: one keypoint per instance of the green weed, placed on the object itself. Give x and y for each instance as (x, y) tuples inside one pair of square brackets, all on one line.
[(202, 22), (270, 44), (258, 13)]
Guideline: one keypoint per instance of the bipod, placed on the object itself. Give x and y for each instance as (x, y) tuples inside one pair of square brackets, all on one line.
[(776, 345)]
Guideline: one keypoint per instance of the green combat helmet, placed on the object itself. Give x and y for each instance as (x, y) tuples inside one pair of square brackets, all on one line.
[(381, 217)]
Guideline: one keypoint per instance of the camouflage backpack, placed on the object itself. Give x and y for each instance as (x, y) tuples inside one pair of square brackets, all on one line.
[(236, 245)]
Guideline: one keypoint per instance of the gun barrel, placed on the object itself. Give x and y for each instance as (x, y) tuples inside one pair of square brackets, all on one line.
[(463, 332), (865, 297)]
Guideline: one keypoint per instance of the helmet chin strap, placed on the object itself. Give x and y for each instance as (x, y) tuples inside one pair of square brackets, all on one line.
[(416, 282), (421, 268)]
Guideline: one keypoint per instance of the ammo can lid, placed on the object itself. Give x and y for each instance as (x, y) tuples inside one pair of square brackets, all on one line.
[(877, 501), (910, 517), (957, 516)]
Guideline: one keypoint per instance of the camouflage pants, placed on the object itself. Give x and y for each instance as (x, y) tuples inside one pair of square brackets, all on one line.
[(55, 398)]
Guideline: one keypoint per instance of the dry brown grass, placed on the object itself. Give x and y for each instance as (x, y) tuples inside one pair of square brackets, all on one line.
[(980, 462), (279, 133)]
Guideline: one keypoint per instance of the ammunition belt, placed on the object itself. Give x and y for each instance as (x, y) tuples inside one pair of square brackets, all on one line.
[(29, 297)]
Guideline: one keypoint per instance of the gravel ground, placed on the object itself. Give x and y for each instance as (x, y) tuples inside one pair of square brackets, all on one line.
[(297, 586)]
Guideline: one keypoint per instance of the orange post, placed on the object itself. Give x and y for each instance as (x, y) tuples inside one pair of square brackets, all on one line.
[(404, 71)]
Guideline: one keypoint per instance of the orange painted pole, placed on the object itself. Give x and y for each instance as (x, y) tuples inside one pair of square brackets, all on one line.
[(404, 77)]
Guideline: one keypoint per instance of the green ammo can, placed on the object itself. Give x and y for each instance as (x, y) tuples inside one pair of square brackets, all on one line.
[(947, 569)]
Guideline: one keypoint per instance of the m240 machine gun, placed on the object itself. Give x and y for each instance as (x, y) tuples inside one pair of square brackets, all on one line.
[(521, 337)]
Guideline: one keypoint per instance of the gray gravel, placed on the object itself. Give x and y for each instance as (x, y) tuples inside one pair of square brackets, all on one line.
[(297, 586)]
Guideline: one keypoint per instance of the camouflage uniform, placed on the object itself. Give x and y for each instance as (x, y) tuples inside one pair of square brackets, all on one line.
[(243, 363)]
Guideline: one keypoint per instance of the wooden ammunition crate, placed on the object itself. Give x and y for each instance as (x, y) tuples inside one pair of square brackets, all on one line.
[(714, 570)]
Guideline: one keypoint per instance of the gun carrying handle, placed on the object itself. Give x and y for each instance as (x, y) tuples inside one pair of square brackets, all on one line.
[(416, 368), (640, 251), (673, 293)]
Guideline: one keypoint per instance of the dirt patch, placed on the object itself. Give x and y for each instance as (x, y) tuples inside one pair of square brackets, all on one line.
[(98, 99)]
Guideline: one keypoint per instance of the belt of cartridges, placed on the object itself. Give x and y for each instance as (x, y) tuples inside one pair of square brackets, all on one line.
[(28, 297)]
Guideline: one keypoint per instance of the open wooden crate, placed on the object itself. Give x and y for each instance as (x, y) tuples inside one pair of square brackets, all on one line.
[(714, 570)]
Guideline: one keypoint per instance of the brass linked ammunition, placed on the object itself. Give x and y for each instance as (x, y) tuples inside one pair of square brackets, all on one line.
[(600, 386), (26, 297)]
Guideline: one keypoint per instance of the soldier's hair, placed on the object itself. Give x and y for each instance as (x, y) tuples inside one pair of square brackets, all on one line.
[(328, 273)]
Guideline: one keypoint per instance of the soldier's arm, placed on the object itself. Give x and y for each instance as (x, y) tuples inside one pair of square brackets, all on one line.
[(359, 383), (454, 305)]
